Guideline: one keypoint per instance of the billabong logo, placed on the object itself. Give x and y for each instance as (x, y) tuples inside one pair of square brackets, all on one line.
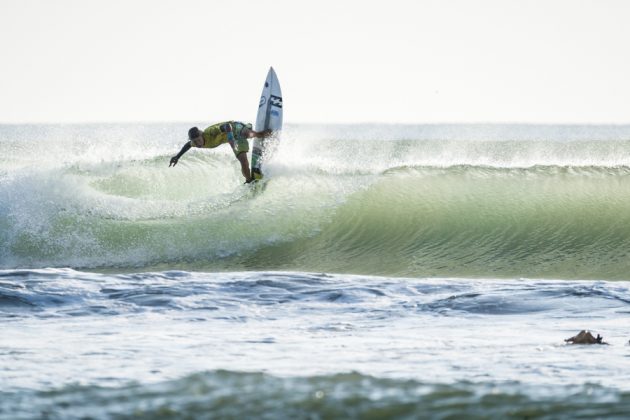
[(263, 100), (276, 101)]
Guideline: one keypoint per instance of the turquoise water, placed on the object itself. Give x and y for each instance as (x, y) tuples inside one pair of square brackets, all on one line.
[(380, 271)]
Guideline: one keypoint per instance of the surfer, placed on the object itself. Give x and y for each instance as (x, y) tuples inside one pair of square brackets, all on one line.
[(235, 133)]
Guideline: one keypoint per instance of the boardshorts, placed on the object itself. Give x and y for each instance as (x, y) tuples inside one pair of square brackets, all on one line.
[(240, 131)]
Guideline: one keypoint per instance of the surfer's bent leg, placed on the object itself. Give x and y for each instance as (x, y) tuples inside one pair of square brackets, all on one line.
[(240, 146), (242, 157)]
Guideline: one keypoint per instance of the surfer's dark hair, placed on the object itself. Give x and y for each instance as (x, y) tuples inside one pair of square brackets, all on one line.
[(193, 133)]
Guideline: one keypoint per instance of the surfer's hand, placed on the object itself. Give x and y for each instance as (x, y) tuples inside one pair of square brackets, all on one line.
[(174, 160)]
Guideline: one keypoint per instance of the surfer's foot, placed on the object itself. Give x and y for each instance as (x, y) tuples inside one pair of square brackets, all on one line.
[(585, 337)]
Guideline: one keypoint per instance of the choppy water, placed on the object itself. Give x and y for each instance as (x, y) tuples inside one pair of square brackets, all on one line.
[(420, 271)]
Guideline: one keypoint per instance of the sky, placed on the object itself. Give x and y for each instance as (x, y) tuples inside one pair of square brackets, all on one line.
[(377, 61)]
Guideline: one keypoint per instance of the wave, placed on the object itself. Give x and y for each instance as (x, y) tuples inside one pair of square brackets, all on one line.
[(409, 206), (225, 394)]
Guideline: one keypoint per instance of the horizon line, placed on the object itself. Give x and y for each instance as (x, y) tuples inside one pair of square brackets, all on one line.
[(336, 123)]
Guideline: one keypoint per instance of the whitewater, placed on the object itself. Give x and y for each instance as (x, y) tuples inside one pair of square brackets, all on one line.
[(379, 270)]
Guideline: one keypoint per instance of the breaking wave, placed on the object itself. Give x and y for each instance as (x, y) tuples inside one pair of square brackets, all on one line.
[(421, 203)]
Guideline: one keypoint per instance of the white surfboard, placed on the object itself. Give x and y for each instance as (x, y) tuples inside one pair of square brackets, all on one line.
[(269, 118)]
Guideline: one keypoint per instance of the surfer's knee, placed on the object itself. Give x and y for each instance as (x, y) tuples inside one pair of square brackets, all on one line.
[(242, 157), (241, 146)]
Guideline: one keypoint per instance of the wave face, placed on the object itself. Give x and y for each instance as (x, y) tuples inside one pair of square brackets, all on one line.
[(461, 201)]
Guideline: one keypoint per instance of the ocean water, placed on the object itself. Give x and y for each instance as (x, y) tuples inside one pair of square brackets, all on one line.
[(381, 271)]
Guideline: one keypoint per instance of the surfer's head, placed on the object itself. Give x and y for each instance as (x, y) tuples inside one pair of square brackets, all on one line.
[(195, 137)]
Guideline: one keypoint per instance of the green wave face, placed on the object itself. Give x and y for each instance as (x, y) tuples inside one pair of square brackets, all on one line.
[(480, 222), (408, 207)]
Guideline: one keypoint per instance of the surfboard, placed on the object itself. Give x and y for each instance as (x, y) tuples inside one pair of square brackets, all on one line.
[(269, 118)]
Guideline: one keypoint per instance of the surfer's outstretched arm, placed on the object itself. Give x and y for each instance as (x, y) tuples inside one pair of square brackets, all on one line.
[(175, 159)]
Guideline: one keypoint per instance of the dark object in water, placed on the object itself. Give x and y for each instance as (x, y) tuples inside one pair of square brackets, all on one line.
[(585, 337)]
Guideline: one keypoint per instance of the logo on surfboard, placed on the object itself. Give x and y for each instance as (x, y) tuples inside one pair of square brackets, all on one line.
[(276, 101), (263, 100)]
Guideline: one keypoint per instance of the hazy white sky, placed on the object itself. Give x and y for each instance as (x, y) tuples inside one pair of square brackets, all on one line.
[(338, 61)]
